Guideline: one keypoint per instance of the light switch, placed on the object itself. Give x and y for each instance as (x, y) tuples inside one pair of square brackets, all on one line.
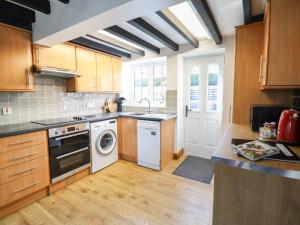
[(7, 111)]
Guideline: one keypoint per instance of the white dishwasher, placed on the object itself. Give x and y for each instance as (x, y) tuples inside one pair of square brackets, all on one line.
[(148, 144)]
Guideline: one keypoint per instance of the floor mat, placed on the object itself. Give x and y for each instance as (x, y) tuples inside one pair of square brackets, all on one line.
[(196, 168)]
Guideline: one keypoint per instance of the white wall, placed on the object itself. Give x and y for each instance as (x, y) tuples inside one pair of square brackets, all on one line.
[(207, 47), (175, 72)]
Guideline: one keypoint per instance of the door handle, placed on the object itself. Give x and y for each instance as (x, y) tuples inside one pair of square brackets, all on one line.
[(187, 110)]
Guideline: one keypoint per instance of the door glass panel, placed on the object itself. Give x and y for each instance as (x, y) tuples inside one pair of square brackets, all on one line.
[(194, 98), (213, 89)]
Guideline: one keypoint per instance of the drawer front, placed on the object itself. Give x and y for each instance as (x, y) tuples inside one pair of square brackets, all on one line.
[(22, 141), (23, 186), (23, 169), (23, 155)]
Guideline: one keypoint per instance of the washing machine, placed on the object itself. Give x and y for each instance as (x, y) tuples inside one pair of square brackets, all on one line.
[(104, 145)]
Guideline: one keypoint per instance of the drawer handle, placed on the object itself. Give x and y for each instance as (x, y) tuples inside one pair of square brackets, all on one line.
[(26, 187), (23, 156), (21, 142), (15, 173)]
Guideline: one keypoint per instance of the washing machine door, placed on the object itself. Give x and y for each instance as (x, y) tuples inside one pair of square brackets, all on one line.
[(106, 142)]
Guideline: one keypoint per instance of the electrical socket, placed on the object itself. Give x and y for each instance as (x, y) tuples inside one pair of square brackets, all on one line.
[(90, 105), (7, 111)]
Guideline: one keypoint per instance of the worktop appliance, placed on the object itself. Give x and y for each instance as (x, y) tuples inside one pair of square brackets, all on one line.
[(289, 127), (69, 150)]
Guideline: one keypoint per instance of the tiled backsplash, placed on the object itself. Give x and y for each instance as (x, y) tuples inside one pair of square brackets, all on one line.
[(171, 105), (50, 100), (296, 99)]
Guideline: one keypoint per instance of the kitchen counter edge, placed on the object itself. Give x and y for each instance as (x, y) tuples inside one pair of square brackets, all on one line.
[(28, 127), (225, 155)]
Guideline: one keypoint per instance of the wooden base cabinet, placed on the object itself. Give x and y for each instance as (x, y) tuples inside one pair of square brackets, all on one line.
[(127, 138), (24, 170), (280, 61), (15, 59)]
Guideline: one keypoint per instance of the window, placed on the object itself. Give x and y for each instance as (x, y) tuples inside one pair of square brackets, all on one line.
[(146, 80)]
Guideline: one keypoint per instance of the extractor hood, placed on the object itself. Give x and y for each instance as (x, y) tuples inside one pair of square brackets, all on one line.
[(55, 72)]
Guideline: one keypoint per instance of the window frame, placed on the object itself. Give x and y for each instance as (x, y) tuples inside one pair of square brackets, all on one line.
[(132, 100)]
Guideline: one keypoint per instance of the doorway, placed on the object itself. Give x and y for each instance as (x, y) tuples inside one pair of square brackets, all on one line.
[(203, 99)]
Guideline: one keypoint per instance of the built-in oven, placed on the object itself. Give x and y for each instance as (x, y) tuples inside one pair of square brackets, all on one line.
[(69, 150)]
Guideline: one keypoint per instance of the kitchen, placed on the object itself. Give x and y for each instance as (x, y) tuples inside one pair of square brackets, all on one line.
[(110, 109)]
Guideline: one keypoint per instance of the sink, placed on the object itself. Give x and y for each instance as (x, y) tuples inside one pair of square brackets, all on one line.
[(156, 115), (136, 114)]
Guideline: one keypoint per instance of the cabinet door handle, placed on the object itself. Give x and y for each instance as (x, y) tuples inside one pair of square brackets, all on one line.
[(15, 173), (21, 142), (21, 157), (26, 187), (260, 69)]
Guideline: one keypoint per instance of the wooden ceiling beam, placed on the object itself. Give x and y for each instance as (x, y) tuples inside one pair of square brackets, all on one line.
[(202, 10), (121, 33), (17, 12), (148, 29), (99, 47), (38, 5), (170, 19)]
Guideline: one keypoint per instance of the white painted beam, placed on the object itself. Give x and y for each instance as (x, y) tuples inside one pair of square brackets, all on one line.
[(78, 18)]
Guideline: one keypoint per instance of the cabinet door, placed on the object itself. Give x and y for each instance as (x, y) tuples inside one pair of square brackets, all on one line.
[(87, 68), (284, 60), (61, 56), (127, 129), (265, 56), (104, 72), (117, 70), (15, 59)]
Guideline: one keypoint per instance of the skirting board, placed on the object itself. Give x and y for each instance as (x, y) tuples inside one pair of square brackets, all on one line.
[(178, 154), (19, 204)]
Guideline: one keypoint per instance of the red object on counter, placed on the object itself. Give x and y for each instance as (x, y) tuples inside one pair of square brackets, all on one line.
[(289, 127)]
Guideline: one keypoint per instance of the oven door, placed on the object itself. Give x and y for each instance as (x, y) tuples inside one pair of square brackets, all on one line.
[(68, 154)]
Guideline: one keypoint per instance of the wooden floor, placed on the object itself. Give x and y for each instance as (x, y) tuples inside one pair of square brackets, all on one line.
[(124, 193)]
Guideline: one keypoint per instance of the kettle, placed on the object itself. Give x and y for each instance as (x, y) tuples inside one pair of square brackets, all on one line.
[(289, 127)]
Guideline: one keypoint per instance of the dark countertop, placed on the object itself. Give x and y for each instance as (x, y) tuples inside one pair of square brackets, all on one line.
[(225, 155), (22, 128)]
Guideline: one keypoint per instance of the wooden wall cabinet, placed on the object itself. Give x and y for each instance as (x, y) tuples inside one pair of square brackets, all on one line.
[(98, 72), (15, 59), (247, 88), (127, 138), (116, 71), (62, 56), (280, 61), (104, 72), (87, 68)]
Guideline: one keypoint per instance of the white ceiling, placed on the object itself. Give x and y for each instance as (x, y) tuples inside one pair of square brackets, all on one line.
[(228, 14), (165, 28)]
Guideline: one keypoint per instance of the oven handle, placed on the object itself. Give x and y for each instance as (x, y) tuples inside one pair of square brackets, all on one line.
[(71, 135), (72, 153)]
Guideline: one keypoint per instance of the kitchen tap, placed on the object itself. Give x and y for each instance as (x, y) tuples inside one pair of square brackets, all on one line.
[(149, 106)]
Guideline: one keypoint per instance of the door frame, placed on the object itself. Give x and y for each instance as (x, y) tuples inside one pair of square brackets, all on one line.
[(211, 53)]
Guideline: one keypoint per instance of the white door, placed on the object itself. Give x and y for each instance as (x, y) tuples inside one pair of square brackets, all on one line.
[(203, 99)]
